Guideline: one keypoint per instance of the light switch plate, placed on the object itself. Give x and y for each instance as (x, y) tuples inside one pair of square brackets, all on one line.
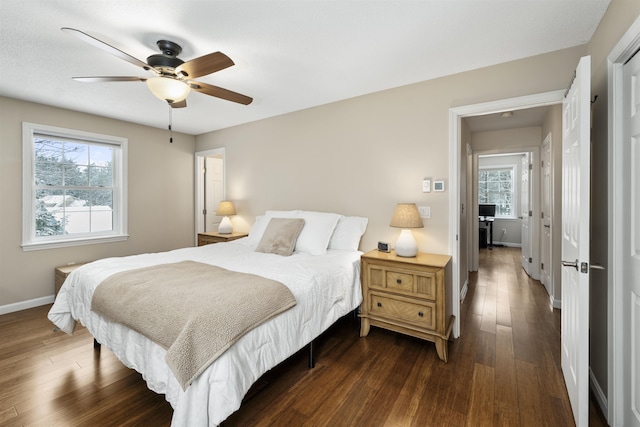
[(425, 211), (426, 185)]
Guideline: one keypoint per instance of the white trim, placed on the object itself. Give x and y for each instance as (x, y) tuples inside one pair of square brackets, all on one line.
[(455, 116), (621, 53), (24, 305), (463, 291), (599, 394)]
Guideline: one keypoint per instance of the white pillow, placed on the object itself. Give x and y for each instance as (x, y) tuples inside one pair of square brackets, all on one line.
[(258, 229), (348, 233), (317, 230)]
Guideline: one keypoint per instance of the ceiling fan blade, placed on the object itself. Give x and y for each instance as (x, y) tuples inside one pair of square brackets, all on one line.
[(219, 92), (106, 47), (204, 65), (102, 79), (179, 104)]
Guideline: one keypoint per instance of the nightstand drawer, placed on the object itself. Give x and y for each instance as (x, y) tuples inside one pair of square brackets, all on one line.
[(422, 284), (399, 281), (422, 314)]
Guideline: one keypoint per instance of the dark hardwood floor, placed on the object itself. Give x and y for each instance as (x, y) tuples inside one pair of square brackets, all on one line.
[(503, 371)]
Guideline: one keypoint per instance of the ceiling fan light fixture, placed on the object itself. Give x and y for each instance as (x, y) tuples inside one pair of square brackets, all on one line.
[(168, 89)]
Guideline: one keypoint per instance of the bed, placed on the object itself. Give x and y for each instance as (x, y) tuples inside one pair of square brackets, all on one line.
[(322, 273)]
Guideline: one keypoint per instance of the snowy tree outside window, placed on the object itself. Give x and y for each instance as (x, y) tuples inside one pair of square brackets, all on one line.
[(496, 187), (76, 191)]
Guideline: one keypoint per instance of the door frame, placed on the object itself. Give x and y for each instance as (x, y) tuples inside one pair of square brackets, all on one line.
[(455, 149), (620, 54), (199, 157), (548, 140)]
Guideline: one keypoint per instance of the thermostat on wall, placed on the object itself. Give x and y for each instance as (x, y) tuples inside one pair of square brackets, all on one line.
[(438, 185)]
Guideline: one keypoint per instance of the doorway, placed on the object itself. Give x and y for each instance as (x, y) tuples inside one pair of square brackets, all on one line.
[(210, 188), (456, 205)]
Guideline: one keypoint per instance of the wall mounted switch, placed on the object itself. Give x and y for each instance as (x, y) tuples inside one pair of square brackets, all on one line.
[(425, 211), (426, 185)]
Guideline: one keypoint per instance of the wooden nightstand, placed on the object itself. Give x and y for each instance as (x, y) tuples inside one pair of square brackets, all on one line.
[(407, 295), (62, 272), (213, 237)]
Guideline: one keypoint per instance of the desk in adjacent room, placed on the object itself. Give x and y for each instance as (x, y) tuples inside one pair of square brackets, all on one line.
[(488, 222)]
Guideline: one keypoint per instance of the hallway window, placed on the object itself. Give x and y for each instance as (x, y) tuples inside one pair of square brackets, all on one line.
[(496, 186)]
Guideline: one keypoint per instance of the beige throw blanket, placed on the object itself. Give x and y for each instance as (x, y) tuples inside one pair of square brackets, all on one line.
[(196, 311)]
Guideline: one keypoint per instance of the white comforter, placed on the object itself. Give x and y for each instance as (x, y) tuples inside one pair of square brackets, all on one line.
[(325, 287)]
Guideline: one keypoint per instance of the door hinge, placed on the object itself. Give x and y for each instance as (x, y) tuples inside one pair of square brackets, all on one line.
[(542, 266), (542, 164), (530, 213), (204, 211), (530, 260), (541, 215), (584, 267)]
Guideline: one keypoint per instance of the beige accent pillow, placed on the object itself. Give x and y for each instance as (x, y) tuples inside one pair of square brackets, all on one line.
[(280, 236)]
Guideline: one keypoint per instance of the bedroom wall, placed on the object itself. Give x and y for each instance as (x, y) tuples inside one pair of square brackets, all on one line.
[(363, 155), (160, 191)]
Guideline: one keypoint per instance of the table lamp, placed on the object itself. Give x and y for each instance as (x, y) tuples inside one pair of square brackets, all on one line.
[(225, 208), (406, 216)]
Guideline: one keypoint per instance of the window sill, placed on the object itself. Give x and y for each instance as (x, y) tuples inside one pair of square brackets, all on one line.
[(53, 244)]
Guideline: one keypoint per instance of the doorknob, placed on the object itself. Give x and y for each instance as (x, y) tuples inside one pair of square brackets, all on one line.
[(573, 264)]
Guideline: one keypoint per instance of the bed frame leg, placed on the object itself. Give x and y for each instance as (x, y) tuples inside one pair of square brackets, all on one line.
[(312, 362), (96, 345)]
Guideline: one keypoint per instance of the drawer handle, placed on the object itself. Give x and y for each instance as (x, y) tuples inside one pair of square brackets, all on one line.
[(421, 314), (379, 304), (399, 281)]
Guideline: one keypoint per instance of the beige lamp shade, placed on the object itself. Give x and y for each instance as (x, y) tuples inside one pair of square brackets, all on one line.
[(225, 208), (406, 216)]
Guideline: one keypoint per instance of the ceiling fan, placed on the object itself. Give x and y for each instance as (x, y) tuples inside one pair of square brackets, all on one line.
[(172, 80)]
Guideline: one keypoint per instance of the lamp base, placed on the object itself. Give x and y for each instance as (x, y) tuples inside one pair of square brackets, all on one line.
[(406, 245), (225, 226)]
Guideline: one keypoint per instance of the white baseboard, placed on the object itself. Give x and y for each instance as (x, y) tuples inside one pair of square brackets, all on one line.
[(23, 305), (599, 394), (555, 303), (508, 244), (463, 291)]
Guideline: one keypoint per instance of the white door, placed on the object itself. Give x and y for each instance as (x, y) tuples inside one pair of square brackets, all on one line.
[(545, 244), (525, 208), (213, 191), (575, 241), (631, 242)]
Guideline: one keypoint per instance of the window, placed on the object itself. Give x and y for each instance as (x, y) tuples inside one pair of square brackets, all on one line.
[(496, 186), (74, 187)]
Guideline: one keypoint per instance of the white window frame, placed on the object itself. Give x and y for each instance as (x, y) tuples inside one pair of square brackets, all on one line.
[(514, 191), (119, 167)]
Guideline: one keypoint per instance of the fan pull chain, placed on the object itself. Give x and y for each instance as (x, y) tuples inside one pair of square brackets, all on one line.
[(170, 123)]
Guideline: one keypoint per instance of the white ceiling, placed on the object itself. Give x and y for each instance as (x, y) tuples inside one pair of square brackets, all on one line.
[(289, 55)]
